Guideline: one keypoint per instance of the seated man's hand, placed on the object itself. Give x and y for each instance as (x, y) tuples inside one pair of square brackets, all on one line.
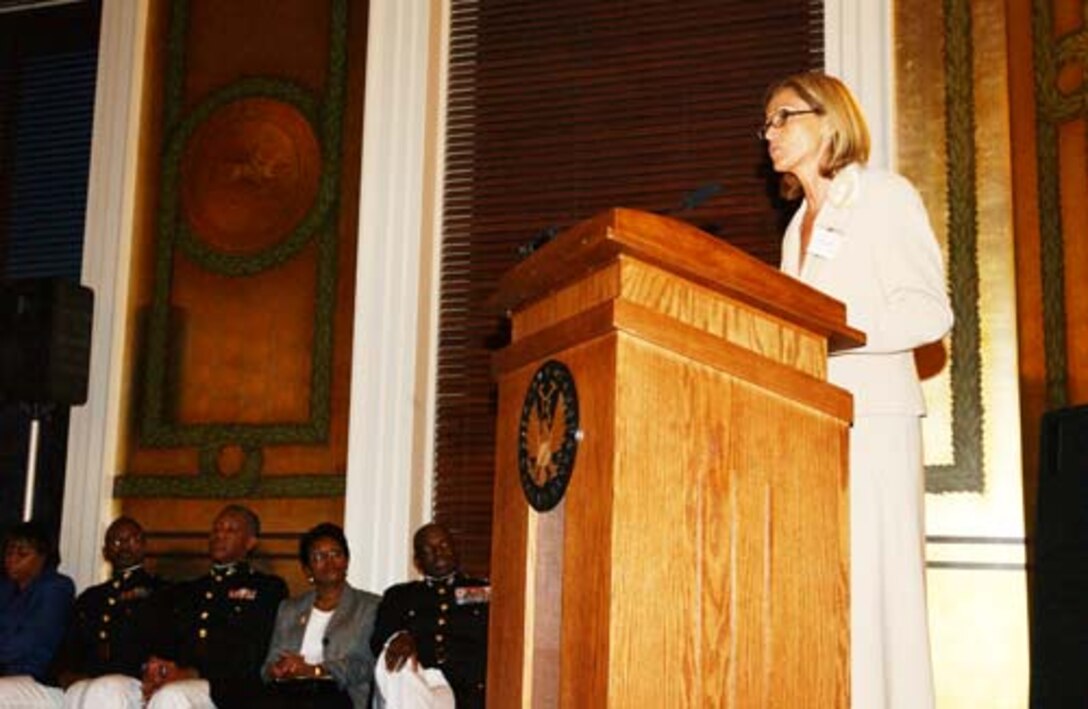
[(399, 650), (290, 665), (66, 678), (159, 672)]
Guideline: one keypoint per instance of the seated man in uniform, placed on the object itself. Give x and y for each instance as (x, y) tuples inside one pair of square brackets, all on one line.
[(211, 633), (109, 633), (439, 622)]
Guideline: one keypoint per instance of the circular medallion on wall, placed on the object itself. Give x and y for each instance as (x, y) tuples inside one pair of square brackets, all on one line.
[(249, 174), (548, 435)]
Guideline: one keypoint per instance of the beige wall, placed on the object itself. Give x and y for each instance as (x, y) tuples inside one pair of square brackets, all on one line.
[(971, 106)]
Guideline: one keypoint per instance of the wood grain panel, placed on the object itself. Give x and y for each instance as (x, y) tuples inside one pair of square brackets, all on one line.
[(729, 542), (703, 308), (598, 286), (727, 318), (600, 319), (585, 557), (705, 540), (795, 461), (687, 252), (509, 553), (669, 433), (736, 322), (736, 360), (589, 556)]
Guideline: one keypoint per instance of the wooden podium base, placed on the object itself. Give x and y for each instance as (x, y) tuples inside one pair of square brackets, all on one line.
[(699, 555)]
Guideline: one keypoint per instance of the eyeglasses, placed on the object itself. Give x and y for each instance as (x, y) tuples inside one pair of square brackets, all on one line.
[(779, 118), (326, 555), (122, 539)]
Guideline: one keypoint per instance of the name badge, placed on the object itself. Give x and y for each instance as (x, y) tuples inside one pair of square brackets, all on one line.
[(825, 243)]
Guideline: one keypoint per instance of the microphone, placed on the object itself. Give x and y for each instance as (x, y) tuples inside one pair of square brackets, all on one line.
[(699, 195), (694, 199), (539, 239), (691, 200)]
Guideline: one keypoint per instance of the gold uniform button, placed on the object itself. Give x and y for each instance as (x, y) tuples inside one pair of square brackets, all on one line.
[(203, 615), (438, 638), (105, 617), (103, 635), (117, 584), (442, 591), (444, 607), (112, 601), (202, 633), (209, 595), (441, 621)]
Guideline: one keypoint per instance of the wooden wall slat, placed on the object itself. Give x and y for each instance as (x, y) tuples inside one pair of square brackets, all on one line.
[(560, 110)]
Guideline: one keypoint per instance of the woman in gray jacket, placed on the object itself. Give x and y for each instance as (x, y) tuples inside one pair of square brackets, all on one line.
[(320, 653)]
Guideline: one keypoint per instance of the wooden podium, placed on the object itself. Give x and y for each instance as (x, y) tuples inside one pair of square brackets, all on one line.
[(699, 555)]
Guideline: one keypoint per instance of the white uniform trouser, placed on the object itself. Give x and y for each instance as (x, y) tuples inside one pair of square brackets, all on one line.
[(410, 687), (890, 666), (121, 692), (24, 692)]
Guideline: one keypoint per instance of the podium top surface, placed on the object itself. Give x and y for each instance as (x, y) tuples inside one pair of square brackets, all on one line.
[(682, 249)]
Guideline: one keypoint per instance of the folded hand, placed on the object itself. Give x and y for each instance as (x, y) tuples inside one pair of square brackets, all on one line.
[(401, 649)]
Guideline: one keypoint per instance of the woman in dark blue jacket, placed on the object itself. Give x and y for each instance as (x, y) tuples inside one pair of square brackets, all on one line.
[(35, 604)]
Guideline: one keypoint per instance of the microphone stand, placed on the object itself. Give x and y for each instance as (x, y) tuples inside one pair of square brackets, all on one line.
[(37, 412), (690, 201), (539, 239)]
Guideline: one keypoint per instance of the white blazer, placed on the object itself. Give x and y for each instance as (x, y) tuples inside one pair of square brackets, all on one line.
[(872, 248)]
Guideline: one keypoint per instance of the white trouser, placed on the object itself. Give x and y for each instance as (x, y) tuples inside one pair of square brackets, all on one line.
[(410, 687), (889, 632), (114, 691), (24, 692), (121, 692)]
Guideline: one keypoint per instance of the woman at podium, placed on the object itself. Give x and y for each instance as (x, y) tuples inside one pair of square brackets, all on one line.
[(862, 236)]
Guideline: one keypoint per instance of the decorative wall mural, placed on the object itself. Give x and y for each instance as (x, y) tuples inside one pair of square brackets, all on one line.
[(1060, 102), (249, 174), (965, 473), (238, 353)]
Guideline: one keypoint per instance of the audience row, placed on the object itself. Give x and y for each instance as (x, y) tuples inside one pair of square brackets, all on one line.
[(231, 638)]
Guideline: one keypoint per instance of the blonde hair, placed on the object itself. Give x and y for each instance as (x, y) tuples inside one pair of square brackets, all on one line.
[(849, 134)]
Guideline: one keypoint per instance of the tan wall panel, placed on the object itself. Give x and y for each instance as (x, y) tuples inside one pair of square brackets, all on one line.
[(242, 349)]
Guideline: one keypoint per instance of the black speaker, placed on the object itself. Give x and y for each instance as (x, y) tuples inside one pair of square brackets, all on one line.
[(45, 341), (1059, 638)]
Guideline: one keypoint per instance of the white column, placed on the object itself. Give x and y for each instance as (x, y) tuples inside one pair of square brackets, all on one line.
[(389, 440), (93, 431), (859, 49)]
